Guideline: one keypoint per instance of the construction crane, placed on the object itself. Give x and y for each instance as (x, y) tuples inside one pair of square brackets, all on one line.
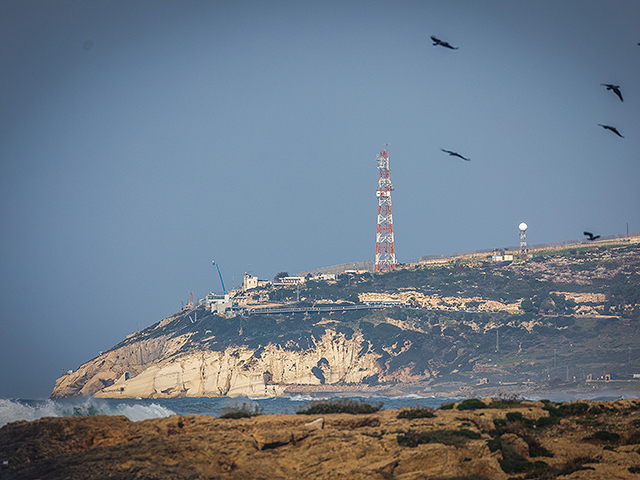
[(221, 281)]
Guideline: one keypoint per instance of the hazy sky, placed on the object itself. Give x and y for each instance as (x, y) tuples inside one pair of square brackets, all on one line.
[(141, 140)]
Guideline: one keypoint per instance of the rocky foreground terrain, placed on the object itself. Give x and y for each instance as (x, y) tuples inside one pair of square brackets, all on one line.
[(489, 439)]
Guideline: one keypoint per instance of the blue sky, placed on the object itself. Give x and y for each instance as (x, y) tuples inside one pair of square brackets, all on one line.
[(139, 141)]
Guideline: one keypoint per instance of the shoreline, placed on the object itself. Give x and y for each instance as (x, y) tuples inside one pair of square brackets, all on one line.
[(586, 391)]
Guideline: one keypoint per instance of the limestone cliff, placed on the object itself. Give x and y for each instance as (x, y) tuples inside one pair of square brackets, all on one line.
[(160, 367), (238, 371)]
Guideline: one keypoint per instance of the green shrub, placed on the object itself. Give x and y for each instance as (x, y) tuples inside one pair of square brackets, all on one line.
[(547, 421), (566, 409), (340, 405), (499, 422), (245, 411), (595, 411), (553, 411), (576, 464), (377, 435), (447, 406), (416, 412), (570, 409), (471, 404), (512, 461), (633, 439), (604, 436), (463, 432), (505, 401), (467, 477), (514, 416), (494, 444), (446, 437), (536, 449)]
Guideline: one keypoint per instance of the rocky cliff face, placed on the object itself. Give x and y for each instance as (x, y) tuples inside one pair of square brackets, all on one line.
[(167, 370)]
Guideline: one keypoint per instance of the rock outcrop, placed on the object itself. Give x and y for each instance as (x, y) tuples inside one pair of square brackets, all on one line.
[(490, 443)]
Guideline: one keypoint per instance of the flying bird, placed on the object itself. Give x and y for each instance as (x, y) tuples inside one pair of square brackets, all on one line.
[(591, 236), (437, 42), (455, 154), (614, 88), (613, 129)]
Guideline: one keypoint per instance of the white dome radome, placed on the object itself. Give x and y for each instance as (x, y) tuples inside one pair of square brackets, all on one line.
[(522, 226)]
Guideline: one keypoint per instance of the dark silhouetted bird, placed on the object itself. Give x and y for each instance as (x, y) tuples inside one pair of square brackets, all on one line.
[(614, 88), (437, 42), (613, 129), (454, 154), (591, 236)]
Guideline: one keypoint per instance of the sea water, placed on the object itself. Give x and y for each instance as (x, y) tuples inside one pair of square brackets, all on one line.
[(12, 410)]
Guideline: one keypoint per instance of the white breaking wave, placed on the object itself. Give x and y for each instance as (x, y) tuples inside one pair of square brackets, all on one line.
[(304, 398), (29, 410)]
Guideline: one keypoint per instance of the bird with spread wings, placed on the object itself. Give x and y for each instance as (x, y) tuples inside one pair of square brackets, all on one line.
[(437, 42), (456, 154), (614, 88), (613, 129)]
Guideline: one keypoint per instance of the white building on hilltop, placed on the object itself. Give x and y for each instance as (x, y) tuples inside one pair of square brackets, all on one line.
[(217, 303), (249, 282)]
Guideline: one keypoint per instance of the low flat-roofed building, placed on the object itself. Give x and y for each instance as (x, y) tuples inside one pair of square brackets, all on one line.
[(325, 276), (289, 281), (217, 303)]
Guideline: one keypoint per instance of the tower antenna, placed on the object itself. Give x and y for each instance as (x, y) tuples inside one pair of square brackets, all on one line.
[(385, 250), (523, 238)]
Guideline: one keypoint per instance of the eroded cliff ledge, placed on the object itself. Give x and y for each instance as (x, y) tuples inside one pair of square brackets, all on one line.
[(183, 365)]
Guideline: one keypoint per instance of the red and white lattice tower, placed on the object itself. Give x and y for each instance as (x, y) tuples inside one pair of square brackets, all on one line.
[(385, 251)]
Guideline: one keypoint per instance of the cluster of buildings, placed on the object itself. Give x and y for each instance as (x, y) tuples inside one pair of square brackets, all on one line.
[(224, 304)]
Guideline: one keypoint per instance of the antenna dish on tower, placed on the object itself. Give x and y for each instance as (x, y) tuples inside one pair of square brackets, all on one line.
[(523, 238)]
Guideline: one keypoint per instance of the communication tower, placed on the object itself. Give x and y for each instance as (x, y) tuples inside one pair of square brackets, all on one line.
[(523, 238), (385, 251)]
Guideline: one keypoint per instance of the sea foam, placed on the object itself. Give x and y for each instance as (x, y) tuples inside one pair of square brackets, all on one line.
[(12, 410)]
